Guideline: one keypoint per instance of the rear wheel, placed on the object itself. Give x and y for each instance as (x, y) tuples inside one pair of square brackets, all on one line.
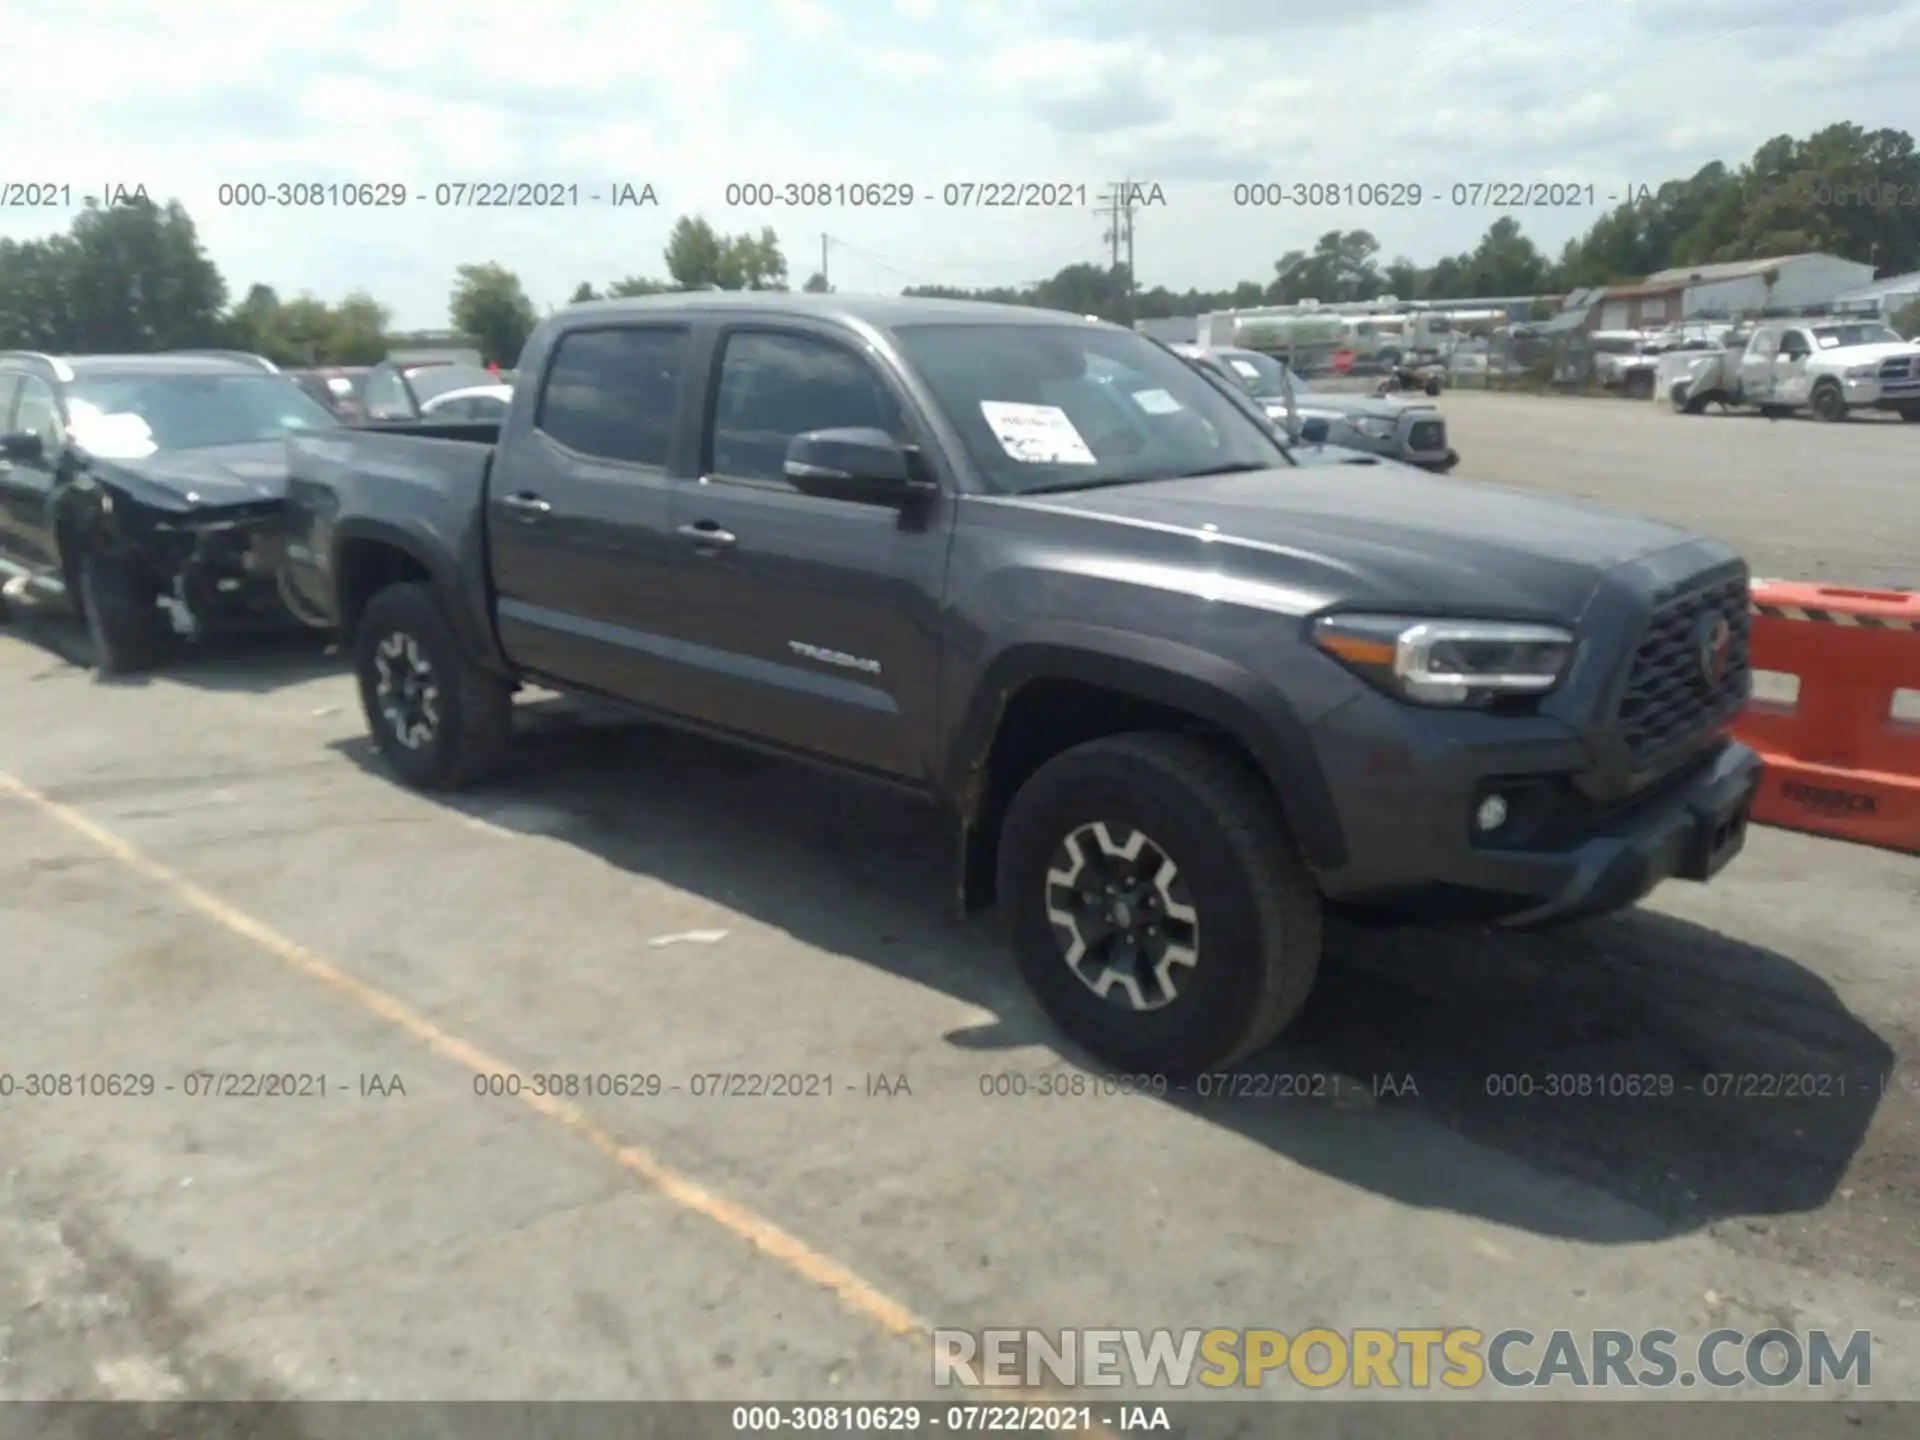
[(118, 600), (1829, 403), (1156, 903), (440, 719)]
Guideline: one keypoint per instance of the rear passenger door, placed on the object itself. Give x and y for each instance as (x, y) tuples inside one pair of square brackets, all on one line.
[(808, 622), (578, 512)]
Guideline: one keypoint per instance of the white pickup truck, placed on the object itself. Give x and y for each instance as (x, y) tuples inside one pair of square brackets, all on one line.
[(1830, 367)]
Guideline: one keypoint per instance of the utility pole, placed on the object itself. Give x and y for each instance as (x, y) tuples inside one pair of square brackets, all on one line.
[(1119, 208), (823, 261)]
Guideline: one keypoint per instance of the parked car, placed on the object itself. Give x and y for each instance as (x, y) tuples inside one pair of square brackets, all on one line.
[(142, 487), (1412, 432), (1178, 692), (400, 390), (482, 403), (1828, 367)]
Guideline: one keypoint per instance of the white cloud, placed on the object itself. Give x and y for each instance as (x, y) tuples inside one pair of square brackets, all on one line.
[(689, 95), (809, 19), (898, 62)]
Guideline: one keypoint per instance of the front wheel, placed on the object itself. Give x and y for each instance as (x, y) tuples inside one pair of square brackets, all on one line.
[(1828, 403), (119, 602), (1156, 903), (1910, 414), (441, 720)]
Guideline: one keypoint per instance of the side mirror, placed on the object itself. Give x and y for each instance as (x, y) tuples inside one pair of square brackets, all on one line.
[(863, 465), (1314, 431), (22, 445)]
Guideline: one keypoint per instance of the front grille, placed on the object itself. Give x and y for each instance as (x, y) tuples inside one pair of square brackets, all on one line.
[(1899, 376), (1669, 699), (1425, 435)]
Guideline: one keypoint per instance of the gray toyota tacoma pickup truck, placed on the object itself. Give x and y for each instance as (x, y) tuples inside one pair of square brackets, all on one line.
[(1181, 694)]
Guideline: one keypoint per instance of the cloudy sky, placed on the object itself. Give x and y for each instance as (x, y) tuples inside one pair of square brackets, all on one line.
[(688, 96)]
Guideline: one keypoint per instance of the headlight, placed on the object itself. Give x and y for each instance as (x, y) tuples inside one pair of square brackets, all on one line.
[(1863, 372), (1374, 427), (1448, 662)]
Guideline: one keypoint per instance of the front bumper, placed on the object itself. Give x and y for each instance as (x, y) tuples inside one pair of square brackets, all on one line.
[(1406, 784), (1442, 465)]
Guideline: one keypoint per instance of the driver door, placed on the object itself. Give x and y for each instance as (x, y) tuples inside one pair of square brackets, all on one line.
[(26, 486), (806, 621), (1756, 367), (1792, 382)]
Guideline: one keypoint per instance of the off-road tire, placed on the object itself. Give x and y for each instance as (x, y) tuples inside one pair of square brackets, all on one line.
[(474, 707), (123, 622), (1432, 387), (1259, 911), (1910, 414), (1829, 402)]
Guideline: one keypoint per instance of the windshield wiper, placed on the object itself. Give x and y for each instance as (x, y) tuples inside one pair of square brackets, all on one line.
[(1232, 467), (1061, 487)]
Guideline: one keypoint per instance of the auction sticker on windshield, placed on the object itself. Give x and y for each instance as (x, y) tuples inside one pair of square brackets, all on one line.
[(1036, 434), (1246, 368), (1157, 402)]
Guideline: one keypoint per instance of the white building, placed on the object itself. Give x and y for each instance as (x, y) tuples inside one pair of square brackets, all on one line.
[(1687, 292), (1882, 298)]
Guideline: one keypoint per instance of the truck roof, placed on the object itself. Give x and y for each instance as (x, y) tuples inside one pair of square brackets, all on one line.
[(880, 311)]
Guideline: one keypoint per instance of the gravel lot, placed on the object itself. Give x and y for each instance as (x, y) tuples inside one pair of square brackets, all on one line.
[(208, 871), (1801, 500)]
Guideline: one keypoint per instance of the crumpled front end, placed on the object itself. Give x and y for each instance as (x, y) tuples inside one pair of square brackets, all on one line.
[(219, 569)]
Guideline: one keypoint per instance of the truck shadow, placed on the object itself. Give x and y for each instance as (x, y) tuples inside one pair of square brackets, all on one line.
[(1414, 1041), (248, 663)]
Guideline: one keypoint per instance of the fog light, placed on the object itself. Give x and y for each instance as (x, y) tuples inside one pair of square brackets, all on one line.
[(1492, 813)]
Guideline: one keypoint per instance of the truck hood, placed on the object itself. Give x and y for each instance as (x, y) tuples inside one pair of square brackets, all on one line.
[(208, 478), (1401, 535), (1865, 354)]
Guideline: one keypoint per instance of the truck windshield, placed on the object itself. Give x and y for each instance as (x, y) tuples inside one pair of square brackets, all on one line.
[(1071, 407), (1833, 337), (127, 416)]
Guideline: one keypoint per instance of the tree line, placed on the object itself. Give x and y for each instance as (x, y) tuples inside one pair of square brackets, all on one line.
[(1844, 190), (135, 277)]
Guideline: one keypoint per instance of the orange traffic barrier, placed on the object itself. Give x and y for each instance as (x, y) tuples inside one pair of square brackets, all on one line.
[(1839, 761)]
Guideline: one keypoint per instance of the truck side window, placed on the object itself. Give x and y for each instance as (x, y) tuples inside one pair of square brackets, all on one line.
[(1794, 346), (613, 393), (773, 387), (1763, 344), (9, 384)]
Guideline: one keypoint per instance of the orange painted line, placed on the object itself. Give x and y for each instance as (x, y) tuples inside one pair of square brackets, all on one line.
[(858, 1295)]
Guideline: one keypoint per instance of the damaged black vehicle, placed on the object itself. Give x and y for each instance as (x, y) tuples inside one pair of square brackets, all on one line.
[(147, 494)]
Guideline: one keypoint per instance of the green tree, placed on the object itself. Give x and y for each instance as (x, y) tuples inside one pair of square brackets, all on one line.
[(699, 258), (636, 285), (131, 276), (817, 284), (490, 304), (1906, 320), (583, 292)]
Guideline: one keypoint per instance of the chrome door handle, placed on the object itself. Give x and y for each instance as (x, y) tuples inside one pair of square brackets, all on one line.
[(705, 532), (529, 505)]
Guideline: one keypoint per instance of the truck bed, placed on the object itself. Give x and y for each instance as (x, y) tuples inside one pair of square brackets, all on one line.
[(333, 477)]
